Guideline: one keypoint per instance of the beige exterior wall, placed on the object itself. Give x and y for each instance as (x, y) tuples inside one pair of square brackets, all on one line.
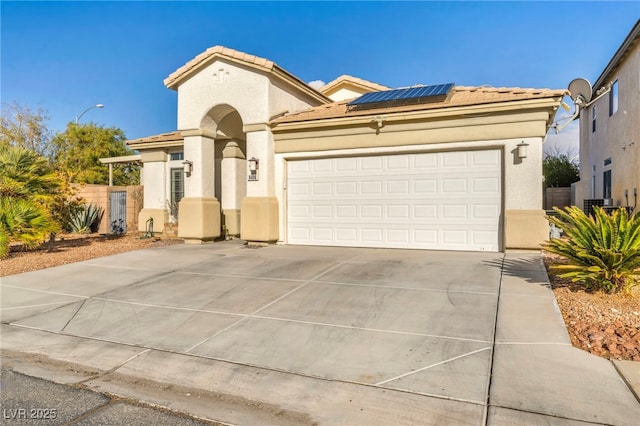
[(205, 101), (259, 219), (344, 93), (523, 216), (616, 137)]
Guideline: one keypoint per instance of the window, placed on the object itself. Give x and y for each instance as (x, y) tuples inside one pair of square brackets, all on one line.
[(593, 181), (606, 184), (593, 119), (177, 156), (177, 189), (613, 98)]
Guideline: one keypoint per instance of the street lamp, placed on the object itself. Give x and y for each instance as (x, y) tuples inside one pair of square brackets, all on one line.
[(85, 111)]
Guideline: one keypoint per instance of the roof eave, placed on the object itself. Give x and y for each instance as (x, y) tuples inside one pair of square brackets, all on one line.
[(173, 82), (632, 37), (551, 103), (160, 144), (337, 84)]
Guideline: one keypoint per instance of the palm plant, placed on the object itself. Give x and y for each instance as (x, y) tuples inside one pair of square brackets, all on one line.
[(27, 185), (603, 251), (23, 221)]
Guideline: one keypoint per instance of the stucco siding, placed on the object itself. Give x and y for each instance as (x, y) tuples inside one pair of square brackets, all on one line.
[(282, 100), (223, 83), (345, 93), (616, 138)]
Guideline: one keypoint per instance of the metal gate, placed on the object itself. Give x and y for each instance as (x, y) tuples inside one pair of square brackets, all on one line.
[(118, 212)]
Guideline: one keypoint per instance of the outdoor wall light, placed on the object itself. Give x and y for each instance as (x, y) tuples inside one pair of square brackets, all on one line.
[(187, 166), (254, 165), (522, 150)]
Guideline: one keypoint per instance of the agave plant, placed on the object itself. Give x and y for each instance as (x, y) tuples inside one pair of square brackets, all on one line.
[(83, 219), (603, 250)]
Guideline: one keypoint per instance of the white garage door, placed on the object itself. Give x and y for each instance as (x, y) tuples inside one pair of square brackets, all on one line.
[(443, 201)]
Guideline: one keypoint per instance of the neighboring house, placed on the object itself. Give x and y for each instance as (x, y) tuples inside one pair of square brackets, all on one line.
[(348, 87), (271, 159), (610, 131)]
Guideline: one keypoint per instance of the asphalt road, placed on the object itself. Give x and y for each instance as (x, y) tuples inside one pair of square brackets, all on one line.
[(27, 400)]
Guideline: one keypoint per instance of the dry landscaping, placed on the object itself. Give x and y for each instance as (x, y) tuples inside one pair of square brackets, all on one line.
[(607, 325), (602, 324)]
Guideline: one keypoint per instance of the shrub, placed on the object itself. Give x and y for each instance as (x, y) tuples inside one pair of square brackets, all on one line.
[(23, 221), (86, 219), (603, 250)]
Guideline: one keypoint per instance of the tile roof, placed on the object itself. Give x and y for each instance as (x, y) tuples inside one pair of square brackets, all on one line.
[(459, 96), (164, 137), (263, 63), (345, 79)]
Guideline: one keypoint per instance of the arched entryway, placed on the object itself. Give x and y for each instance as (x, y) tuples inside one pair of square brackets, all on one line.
[(216, 183), (230, 164)]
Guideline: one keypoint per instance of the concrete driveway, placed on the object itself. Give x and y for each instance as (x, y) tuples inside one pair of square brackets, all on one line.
[(320, 335)]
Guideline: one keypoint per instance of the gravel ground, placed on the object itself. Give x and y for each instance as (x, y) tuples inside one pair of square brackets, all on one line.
[(70, 248), (603, 324), (607, 325)]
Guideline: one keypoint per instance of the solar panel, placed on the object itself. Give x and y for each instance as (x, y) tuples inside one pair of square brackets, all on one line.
[(403, 96)]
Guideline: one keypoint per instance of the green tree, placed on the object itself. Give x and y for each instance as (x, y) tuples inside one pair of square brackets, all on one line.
[(28, 187), (79, 148), (22, 127), (559, 169)]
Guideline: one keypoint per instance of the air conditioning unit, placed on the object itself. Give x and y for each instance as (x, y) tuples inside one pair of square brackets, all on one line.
[(608, 202), (590, 203)]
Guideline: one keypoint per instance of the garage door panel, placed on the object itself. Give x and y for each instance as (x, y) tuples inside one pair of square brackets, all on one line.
[(372, 235), (448, 200), (371, 211), (346, 164), (347, 211), (371, 163), (398, 162), (347, 235), (299, 211), (322, 212), (371, 187), (485, 185), (397, 211), (425, 186), (345, 188), (299, 189), (486, 158), (454, 159), (322, 234), (454, 211), (454, 185), (425, 211), (398, 187)]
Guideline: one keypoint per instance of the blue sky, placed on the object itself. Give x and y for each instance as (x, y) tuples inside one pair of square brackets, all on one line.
[(67, 56)]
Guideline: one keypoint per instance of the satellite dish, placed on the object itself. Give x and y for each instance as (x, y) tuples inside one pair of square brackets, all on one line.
[(580, 88)]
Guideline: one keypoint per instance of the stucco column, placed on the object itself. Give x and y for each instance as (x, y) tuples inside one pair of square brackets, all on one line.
[(199, 210), (259, 218), (155, 198), (234, 186), (525, 223)]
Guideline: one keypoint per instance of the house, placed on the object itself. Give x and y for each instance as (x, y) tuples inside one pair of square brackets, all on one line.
[(260, 154), (610, 132)]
